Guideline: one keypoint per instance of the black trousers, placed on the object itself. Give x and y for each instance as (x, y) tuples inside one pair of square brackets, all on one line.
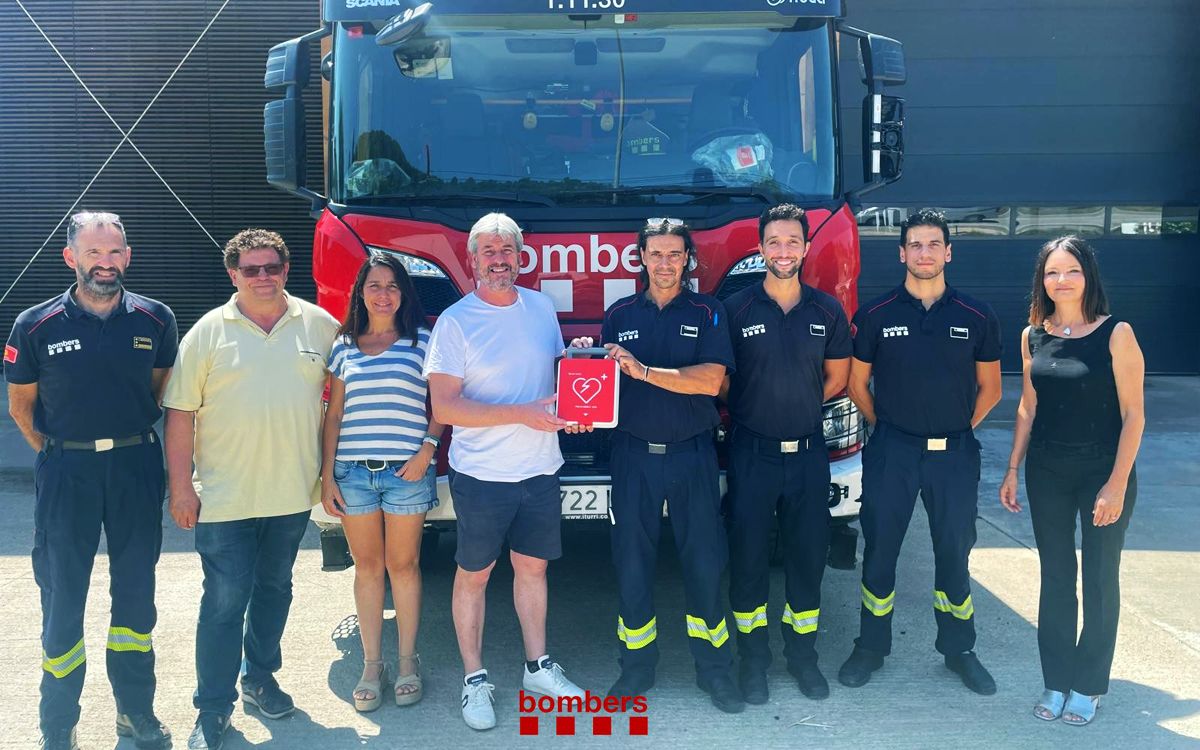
[(1062, 482), (78, 494), (896, 467), (798, 485), (687, 479)]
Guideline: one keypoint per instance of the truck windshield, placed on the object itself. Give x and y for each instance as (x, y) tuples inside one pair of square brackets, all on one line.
[(665, 108)]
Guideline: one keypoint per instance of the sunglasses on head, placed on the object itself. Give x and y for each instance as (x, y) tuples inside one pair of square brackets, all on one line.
[(658, 221), (271, 269)]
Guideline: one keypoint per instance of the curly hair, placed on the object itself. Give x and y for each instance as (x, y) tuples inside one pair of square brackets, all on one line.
[(254, 239)]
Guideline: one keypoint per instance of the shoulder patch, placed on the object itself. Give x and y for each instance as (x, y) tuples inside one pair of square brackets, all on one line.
[(10, 354)]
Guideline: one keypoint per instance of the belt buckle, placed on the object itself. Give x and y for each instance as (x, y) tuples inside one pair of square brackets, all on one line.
[(375, 464), (104, 444), (935, 444), (657, 448), (789, 446)]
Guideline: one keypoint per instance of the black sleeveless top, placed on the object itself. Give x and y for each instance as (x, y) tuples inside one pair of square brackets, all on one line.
[(1076, 391)]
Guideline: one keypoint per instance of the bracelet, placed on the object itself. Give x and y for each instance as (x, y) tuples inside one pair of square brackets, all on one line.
[(646, 373), (432, 441), (1014, 468)]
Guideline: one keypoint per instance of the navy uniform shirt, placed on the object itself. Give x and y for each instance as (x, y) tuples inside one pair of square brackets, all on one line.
[(923, 360), (93, 375), (779, 387), (690, 330)]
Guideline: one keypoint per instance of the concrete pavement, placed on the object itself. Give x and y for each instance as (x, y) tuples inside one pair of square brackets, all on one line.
[(913, 702)]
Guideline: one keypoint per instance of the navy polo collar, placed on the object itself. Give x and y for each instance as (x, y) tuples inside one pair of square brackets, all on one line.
[(74, 310), (807, 296), (684, 294), (902, 293)]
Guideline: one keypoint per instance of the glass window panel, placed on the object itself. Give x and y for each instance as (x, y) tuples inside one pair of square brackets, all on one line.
[(1180, 220), (1132, 220), (1051, 221), (978, 221), (881, 221)]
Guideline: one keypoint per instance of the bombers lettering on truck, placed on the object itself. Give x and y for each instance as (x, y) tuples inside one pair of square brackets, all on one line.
[(597, 257)]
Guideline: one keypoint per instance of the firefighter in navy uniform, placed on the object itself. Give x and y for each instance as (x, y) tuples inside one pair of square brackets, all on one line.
[(791, 345), (934, 353), (673, 349), (85, 371)]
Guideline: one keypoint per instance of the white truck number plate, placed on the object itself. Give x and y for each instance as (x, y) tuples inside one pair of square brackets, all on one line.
[(585, 500)]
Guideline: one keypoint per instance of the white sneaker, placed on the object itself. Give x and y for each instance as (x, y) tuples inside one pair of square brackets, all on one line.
[(477, 702), (551, 680)]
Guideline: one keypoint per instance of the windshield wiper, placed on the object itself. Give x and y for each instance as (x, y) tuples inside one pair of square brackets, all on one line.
[(442, 198)]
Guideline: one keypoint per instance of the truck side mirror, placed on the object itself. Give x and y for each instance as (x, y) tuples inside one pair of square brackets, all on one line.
[(283, 119), (883, 138), (881, 61)]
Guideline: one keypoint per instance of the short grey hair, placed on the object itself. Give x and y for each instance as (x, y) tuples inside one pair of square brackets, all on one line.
[(91, 219), (498, 224)]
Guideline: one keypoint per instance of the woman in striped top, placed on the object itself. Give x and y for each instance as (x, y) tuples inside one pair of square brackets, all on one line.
[(378, 473)]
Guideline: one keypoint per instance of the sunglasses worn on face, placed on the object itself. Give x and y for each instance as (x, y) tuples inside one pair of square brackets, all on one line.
[(271, 269)]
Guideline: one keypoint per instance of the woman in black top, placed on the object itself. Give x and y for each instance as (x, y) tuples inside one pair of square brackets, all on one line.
[(1080, 420)]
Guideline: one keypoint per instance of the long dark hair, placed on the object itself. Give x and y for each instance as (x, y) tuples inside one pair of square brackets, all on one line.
[(409, 316), (1095, 301)]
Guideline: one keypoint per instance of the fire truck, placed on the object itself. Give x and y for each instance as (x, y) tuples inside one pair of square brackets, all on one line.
[(581, 119)]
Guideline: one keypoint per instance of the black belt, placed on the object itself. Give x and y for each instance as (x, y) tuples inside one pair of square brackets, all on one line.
[(101, 445), (659, 449), (774, 447), (376, 464), (947, 442)]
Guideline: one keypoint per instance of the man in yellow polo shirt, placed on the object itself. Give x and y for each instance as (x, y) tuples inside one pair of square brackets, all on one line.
[(244, 403)]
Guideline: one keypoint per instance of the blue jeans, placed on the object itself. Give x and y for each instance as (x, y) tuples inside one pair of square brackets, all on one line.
[(247, 592)]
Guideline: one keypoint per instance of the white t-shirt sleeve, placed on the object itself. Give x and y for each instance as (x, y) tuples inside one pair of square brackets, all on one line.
[(447, 349)]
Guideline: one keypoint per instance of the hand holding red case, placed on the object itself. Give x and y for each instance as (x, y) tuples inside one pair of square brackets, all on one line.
[(588, 390)]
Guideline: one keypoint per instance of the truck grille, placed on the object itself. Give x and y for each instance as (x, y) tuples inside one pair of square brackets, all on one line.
[(585, 452)]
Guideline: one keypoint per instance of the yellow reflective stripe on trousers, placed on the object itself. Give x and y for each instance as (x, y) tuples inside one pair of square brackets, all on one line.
[(748, 621), (61, 666), (635, 638), (126, 639), (801, 622), (963, 611), (697, 628), (875, 605)]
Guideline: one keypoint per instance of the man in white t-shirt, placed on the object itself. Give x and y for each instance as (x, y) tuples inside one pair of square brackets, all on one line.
[(490, 367)]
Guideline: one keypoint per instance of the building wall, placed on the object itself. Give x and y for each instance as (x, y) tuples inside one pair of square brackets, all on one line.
[(1050, 104), (203, 135)]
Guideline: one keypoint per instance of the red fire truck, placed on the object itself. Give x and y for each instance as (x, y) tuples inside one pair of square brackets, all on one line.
[(581, 119)]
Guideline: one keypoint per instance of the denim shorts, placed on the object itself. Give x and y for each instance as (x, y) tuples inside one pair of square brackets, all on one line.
[(365, 491)]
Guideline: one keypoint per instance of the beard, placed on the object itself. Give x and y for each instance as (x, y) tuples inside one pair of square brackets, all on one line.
[(496, 279), (783, 275), (98, 287)]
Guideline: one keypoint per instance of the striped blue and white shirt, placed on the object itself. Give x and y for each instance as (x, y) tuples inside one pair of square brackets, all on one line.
[(384, 416)]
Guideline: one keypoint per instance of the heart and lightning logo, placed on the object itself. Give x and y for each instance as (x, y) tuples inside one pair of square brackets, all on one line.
[(586, 388)]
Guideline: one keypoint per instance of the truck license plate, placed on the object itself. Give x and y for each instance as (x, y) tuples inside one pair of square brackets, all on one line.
[(585, 500)]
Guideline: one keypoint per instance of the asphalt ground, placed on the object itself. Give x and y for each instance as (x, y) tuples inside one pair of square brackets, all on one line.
[(913, 702)]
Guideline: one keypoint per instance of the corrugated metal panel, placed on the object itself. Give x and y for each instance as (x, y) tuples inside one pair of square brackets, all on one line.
[(203, 135)]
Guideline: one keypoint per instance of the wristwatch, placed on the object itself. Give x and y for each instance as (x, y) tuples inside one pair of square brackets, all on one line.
[(432, 441)]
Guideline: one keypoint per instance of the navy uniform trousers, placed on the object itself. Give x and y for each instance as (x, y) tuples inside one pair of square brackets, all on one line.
[(896, 466), (79, 492), (686, 477), (761, 479)]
